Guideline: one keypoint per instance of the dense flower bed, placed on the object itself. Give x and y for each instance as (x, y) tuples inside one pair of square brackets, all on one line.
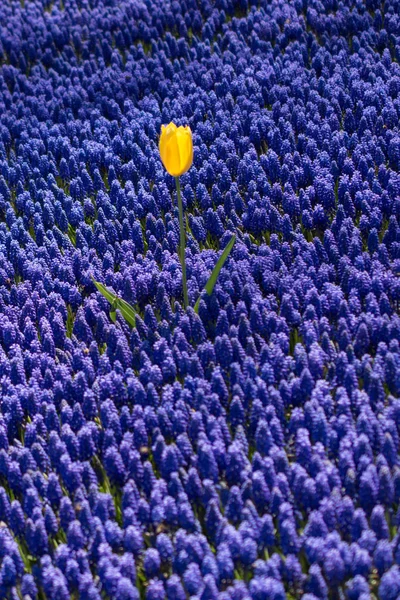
[(250, 452)]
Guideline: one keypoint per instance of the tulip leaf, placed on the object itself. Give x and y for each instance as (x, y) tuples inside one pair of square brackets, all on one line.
[(216, 270), (104, 291), (127, 311)]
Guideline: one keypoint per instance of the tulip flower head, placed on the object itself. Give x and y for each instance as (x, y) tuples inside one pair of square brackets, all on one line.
[(176, 148)]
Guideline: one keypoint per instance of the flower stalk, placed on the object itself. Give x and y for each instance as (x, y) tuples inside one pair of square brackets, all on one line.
[(182, 244)]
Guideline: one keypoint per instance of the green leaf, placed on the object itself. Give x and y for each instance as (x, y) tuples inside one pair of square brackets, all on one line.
[(216, 270), (104, 291), (127, 311), (72, 234), (69, 326)]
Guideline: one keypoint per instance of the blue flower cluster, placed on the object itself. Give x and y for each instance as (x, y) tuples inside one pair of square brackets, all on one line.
[(250, 451)]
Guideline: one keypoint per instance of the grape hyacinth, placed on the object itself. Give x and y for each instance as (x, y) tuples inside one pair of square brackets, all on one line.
[(241, 443)]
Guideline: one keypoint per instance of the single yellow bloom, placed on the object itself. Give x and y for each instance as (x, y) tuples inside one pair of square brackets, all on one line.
[(176, 148)]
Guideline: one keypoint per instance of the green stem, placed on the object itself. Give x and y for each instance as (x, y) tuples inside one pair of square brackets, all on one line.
[(182, 243)]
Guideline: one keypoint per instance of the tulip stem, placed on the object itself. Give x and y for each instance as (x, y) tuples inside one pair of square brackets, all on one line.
[(182, 243)]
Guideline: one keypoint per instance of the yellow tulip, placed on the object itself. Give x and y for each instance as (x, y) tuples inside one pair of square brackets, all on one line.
[(176, 149)]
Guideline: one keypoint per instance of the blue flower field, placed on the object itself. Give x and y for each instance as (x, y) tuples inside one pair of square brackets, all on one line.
[(245, 447)]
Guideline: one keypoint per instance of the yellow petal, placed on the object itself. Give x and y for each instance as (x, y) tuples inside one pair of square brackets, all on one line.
[(162, 143), (168, 148), (170, 128), (184, 138), (172, 162)]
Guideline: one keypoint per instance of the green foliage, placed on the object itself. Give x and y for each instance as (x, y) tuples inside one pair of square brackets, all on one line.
[(216, 270), (126, 309), (69, 326), (72, 234)]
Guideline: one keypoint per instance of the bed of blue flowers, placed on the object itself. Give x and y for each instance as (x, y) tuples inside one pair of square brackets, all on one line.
[(248, 449)]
